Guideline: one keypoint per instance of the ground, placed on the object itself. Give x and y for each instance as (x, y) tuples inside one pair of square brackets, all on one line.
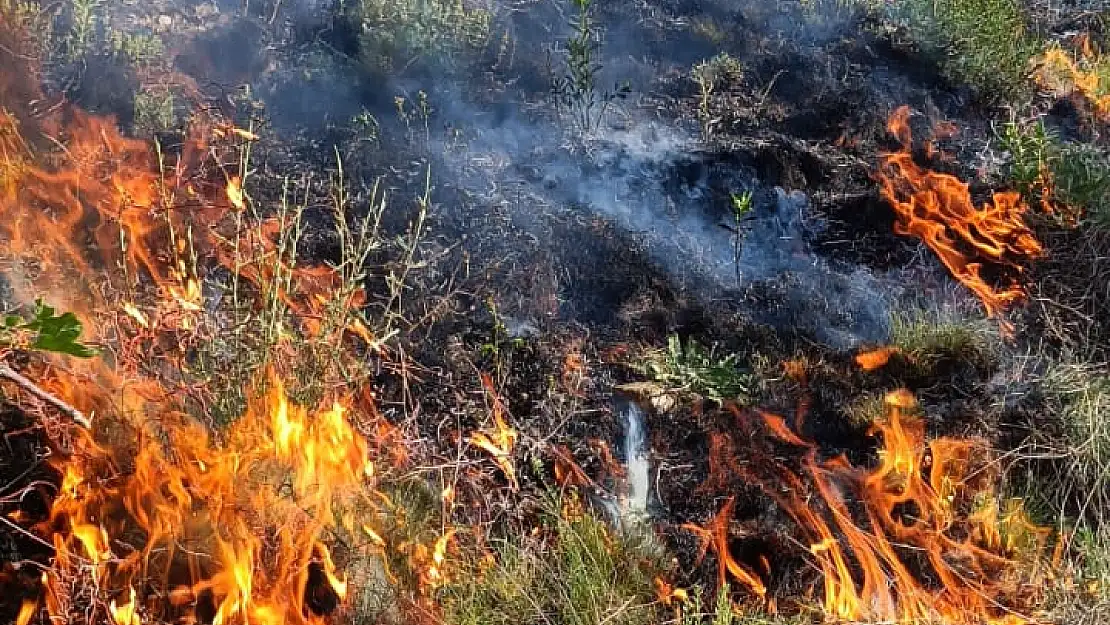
[(684, 211)]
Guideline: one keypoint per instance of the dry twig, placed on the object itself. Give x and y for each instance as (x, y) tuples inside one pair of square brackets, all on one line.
[(8, 373)]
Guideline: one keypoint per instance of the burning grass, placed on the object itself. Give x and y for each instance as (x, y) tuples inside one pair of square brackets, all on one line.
[(260, 452), (938, 209), (923, 536)]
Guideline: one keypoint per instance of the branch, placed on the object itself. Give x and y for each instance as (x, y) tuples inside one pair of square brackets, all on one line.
[(32, 388)]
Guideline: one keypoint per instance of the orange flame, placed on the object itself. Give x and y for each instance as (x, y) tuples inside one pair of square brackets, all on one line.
[(918, 538), (937, 208), (877, 358), (1064, 75), (122, 233), (716, 536), (500, 442), (27, 612)]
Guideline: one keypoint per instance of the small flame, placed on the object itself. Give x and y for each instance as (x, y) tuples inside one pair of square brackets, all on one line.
[(27, 611), (500, 442), (1065, 75), (125, 614), (235, 193), (877, 358), (715, 536)]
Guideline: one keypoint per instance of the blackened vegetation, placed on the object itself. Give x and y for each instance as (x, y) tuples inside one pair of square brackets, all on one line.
[(523, 263), (27, 485)]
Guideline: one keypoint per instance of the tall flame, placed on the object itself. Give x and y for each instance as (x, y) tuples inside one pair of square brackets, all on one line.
[(920, 537), (937, 208), (157, 518), (279, 473)]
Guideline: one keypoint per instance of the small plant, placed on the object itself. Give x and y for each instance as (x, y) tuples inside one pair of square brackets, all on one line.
[(395, 35), (1031, 149), (577, 90), (45, 331), (154, 111), (1046, 169), (82, 28), (709, 75), (741, 212), (1081, 177), (694, 369), (418, 110), (137, 48)]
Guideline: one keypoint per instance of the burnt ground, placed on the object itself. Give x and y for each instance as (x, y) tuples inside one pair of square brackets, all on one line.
[(608, 243), (27, 485)]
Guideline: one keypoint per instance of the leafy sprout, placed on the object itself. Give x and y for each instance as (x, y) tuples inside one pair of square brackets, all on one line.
[(50, 331)]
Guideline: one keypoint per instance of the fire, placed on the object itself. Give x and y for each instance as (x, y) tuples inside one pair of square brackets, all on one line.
[(1064, 75), (157, 517), (876, 358), (205, 509), (125, 614), (921, 537), (716, 537), (937, 208), (27, 612), (500, 442)]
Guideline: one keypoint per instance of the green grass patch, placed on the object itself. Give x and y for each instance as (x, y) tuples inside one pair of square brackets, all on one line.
[(1074, 174), (694, 368), (396, 35), (927, 338), (986, 44), (575, 570)]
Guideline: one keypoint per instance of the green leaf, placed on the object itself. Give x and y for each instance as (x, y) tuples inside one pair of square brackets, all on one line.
[(12, 321), (57, 333), (741, 204)]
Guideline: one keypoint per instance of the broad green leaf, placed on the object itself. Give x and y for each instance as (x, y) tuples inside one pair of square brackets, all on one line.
[(57, 333)]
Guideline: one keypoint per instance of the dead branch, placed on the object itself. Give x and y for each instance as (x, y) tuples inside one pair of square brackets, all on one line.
[(8, 373)]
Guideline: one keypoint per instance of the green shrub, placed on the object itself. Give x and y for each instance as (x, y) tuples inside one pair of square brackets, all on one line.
[(395, 35), (695, 369), (1079, 173), (154, 111), (137, 48)]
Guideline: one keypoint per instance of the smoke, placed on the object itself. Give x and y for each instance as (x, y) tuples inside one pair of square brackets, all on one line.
[(647, 173)]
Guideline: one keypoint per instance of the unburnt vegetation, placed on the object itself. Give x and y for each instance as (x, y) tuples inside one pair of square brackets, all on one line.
[(582, 312)]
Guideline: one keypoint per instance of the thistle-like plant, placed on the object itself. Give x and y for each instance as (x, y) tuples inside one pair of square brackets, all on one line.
[(576, 91)]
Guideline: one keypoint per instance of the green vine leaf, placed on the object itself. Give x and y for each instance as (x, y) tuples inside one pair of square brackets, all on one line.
[(56, 333)]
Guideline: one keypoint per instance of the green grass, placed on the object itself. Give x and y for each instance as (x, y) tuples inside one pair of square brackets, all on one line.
[(137, 48), (575, 571), (1080, 394), (986, 44), (928, 337), (1079, 172), (396, 35), (154, 111), (1078, 491), (710, 75)]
